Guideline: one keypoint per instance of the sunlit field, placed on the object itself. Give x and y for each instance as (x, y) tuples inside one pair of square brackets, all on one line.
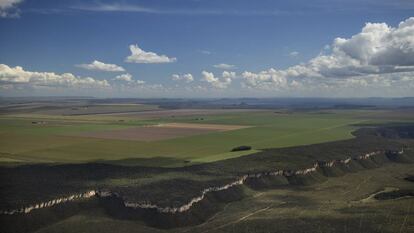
[(64, 138)]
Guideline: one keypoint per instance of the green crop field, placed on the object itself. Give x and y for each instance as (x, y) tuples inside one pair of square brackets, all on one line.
[(59, 140)]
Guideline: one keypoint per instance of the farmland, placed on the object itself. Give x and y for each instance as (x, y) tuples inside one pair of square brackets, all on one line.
[(129, 169), (161, 131), (42, 136)]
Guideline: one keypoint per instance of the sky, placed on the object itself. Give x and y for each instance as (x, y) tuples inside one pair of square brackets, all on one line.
[(207, 48)]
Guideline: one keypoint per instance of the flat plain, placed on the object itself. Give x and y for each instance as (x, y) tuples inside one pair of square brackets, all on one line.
[(65, 135), (161, 131)]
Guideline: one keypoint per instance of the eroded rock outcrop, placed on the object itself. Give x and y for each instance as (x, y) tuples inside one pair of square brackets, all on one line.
[(290, 176), (50, 203)]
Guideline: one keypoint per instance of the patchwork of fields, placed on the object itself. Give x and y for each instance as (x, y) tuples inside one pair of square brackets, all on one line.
[(173, 138)]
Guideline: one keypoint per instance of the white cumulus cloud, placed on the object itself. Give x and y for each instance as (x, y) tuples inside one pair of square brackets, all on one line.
[(18, 76), (379, 44), (140, 56), (216, 82), (124, 77), (378, 50), (100, 66), (127, 78), (268, 78), (185, 77)]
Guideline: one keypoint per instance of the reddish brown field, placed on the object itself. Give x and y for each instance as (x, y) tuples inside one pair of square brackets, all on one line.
[(161, 132)]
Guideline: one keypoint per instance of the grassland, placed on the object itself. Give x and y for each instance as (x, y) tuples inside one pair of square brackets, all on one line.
[(333, 206), (59, 137)]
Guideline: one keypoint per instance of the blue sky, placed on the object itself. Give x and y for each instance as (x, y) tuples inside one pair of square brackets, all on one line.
[(258, 41)]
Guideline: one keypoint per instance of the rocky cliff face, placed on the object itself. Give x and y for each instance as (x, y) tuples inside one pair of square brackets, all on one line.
[(51, 203), (145, 205)]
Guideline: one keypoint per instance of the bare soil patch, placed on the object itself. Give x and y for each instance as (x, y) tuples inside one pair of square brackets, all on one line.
[(161, 132)]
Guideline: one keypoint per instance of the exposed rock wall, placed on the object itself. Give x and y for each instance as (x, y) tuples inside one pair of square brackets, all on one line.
[(241, 180), (57, 201), (145, 205)]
